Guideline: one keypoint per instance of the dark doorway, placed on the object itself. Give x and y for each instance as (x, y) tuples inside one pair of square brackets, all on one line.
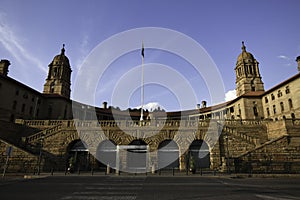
[(199, 154), (137, 156), (168, 154), (106, 153), (79, 156)]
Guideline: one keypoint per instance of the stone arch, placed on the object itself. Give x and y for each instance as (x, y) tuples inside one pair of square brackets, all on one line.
[(78, 156), (168, 154), (106, 153), (199, 154), (154, 141)]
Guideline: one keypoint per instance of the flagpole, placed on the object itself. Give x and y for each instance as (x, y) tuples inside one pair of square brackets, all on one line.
[(142, 88)]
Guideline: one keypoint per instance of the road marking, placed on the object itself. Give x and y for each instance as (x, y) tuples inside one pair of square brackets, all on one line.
[(111, 189), (276, 198), (100, 197)]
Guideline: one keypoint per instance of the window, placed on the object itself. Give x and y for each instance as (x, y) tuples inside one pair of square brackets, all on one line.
[(274, 109), (272, 97), (252, 86), (287, 89), (281, 106), (25, 96), (279, 93), (14, 105), (0, 85), (255, 111), (49, 111), (266, 100), (290, 103), (268, 112), (23, 108), (30, 110), (37, 112), (52, 87), (12, 118), (17, 92), (250, 69), (54, 71)]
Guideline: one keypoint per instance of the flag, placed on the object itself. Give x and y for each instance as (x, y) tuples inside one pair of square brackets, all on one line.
[(143, 49)]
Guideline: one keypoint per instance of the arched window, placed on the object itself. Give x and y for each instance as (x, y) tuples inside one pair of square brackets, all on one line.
[(14, 105), (274, 109), (281, 106), (287, 90), (52, 87), (23, 108), (268, 112), (290, 103), (272, 97), (252, 85), (279, 94), (293, 116)]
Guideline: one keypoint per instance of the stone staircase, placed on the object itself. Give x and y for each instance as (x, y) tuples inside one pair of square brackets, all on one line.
[(42, 134)]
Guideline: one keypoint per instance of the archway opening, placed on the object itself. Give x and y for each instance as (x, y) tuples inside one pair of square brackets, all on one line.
[(137, 156), (199, 155), (78, 156), (168, 154), (106, 154)]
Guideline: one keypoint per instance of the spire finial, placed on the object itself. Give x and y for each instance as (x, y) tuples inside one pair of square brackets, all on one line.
[(63, 50), (243, 46)]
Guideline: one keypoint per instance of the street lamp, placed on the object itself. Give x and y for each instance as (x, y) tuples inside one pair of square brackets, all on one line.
[(227, 154), (40, 154)]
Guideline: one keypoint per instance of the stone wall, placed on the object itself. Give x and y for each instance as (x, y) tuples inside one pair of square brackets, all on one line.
[(20, 160)]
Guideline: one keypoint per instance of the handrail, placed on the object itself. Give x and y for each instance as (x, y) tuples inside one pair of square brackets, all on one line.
[(44, 133)]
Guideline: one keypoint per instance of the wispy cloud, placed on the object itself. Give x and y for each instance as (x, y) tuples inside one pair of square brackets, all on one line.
[(83, 50), (12, 43), (286, 59)]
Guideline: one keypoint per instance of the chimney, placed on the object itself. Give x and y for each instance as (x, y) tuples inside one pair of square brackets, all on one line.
[(4, 64), (203, 103), (298, 61), (104, 105)]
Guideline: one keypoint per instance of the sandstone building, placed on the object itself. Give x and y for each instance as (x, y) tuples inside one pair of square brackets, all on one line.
[(258, 131)]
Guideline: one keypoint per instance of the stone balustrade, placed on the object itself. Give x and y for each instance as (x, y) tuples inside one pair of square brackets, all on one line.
[(44, 133), (136, 123)]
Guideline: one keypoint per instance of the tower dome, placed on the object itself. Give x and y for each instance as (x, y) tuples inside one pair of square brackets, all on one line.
[(61, 58), (245, 56)]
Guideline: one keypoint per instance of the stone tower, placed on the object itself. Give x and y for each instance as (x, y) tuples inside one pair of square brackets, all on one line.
[(298, 61), (247, 73), (4, 64), (59, 76)]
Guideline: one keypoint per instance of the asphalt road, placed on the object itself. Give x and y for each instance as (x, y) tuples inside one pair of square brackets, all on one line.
[(149, 188)]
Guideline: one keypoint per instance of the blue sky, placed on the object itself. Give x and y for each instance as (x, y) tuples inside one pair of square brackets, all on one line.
[(32, 33)]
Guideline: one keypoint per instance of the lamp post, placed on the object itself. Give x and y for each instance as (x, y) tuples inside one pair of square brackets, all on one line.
[(84, 112), (40, 154), (227, 154)]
